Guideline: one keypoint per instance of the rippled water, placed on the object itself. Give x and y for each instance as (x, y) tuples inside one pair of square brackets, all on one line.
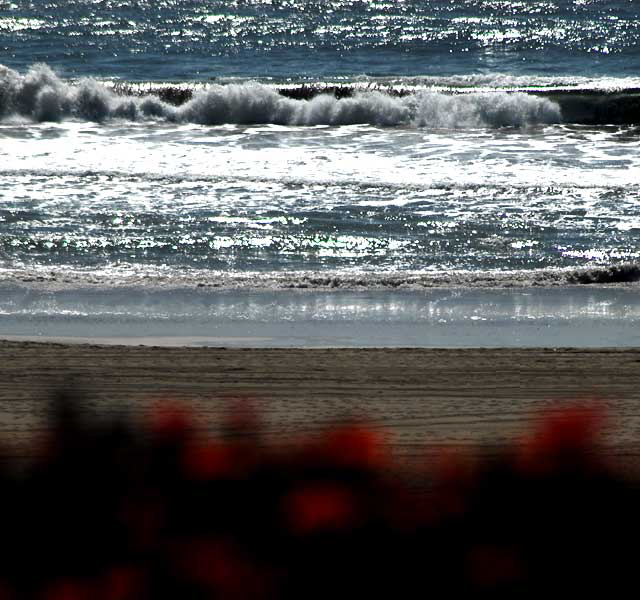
[(328, 199), (189, 39)]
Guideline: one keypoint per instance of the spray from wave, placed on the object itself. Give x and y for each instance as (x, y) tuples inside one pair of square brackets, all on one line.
[(41, 95)]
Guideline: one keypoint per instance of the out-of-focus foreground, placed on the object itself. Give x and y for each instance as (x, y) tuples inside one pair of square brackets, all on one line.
[(127, 511)]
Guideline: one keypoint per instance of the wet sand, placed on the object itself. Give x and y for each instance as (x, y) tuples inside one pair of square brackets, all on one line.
[(422, 397)]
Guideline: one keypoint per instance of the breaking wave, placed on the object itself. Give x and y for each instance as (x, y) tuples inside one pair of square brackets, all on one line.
[(167, 278), (40, 95)]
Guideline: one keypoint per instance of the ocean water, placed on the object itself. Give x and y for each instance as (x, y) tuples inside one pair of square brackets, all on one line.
[(230, 148)]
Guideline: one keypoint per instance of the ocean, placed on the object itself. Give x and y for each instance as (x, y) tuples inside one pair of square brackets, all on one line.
[(417, 172)]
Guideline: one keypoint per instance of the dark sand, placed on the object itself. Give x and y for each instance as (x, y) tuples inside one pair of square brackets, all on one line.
[(423, 397)]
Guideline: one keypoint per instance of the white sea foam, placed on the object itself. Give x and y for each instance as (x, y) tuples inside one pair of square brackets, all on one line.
[(41, 95), (165, 278)]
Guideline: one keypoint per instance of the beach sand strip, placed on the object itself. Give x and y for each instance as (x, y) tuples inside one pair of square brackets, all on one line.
[(423, 398)]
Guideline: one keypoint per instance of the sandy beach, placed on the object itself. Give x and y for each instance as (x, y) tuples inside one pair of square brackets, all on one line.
[(422, 397)]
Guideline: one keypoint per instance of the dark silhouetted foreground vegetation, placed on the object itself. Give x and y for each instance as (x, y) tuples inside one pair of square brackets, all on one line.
[(126, 512)]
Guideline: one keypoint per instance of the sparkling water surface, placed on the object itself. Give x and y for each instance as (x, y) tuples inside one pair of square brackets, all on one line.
[(514, 154), (319, 199), (191, 39)]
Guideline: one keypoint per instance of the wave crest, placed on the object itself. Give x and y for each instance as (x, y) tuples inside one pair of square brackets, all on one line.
[(41, 95)]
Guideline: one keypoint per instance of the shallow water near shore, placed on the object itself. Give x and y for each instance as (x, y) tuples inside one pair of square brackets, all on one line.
[(585, 316)]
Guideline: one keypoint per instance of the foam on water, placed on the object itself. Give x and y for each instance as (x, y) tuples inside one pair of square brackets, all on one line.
[(165, 278), (339, 203), (42, 96)]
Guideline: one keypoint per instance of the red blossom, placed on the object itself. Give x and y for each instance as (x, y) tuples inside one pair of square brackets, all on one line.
[(320, 507), (206, 461), (570, 434), (353, 446), (171, 421)]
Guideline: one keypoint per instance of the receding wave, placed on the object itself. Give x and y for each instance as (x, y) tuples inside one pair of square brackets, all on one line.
[(167, 278), (41, 95)]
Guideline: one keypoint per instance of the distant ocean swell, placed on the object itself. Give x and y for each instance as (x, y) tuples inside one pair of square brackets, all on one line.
[(41, 95), (624, 274)]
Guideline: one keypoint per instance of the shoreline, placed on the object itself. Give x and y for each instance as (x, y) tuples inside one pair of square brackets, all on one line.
[(421, 397), (244, 343), (435, 318)]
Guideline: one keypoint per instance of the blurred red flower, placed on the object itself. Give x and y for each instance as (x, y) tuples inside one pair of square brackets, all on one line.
[(320, 507), (170, 421), (353, 446), (571, 434), (203, 461)]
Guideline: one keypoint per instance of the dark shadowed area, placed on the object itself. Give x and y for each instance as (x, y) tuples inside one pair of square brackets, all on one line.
[(120, 510)]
